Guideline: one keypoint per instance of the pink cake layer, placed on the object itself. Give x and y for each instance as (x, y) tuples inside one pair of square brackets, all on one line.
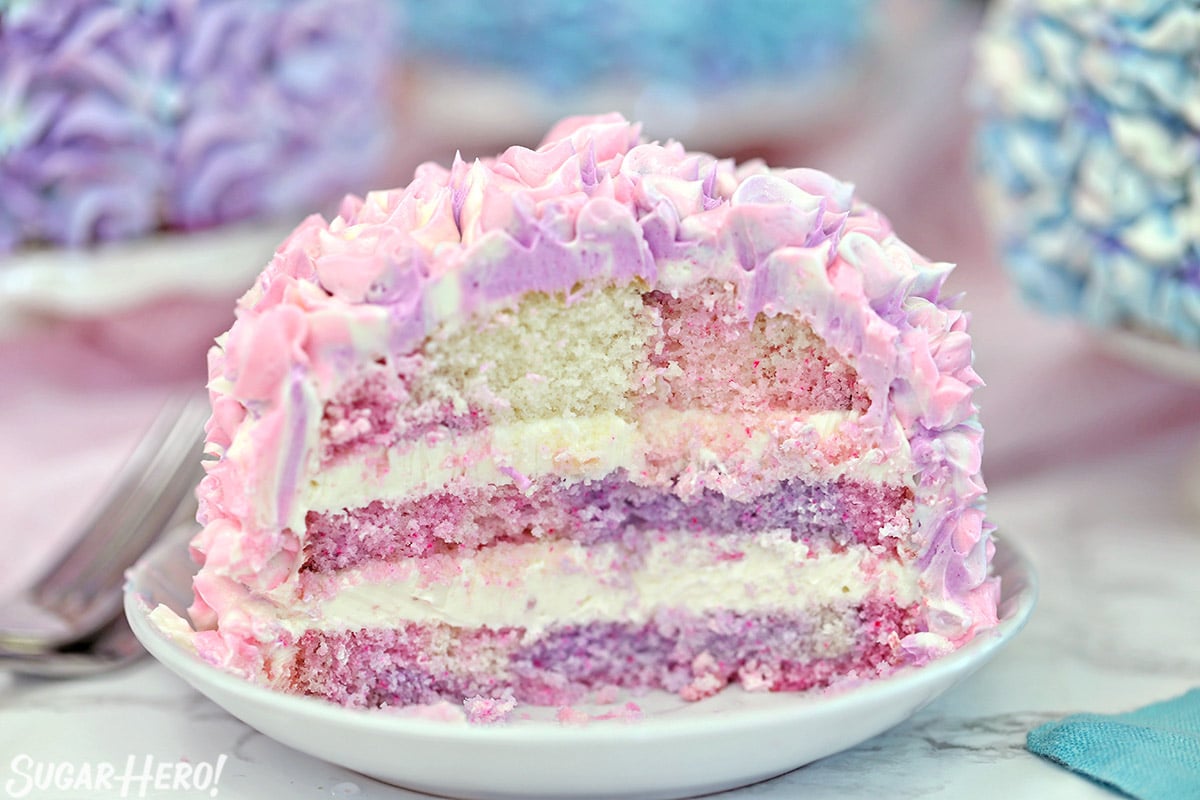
[(723, 365), (839, 513), (694, 656)]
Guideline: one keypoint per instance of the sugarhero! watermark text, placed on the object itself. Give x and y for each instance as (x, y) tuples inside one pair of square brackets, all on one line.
[(137, 777)]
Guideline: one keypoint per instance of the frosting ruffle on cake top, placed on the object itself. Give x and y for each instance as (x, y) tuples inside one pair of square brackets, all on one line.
[(120, 119), (1089, 150), (399, 352)]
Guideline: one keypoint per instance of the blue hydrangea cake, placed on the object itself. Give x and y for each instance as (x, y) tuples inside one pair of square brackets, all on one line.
[(1089, 149)]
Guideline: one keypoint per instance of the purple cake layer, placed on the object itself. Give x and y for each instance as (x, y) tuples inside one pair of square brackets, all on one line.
[(693, 656), (839, 513)]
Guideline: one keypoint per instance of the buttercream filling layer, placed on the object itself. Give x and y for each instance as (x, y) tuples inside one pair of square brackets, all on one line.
[(688, 451), (841, 513), (540, 584)]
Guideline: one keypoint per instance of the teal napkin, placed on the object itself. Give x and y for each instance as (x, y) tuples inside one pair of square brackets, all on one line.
[(1152, 753)]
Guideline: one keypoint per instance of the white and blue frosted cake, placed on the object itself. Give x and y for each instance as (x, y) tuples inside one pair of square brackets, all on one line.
[(720, 73), (1089, 149)]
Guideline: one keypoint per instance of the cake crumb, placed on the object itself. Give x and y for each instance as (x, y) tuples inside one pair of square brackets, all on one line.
[(489, 710), (572, 716), (756, 677), (708, 678), (630, 712)]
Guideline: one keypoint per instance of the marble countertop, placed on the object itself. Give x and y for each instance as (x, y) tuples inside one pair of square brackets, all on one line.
[(1092, 465)]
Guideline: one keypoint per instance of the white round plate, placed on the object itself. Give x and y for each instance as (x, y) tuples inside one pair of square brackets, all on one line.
[(675, 749), (98, 280)]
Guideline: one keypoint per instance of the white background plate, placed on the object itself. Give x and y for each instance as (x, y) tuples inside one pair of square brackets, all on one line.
[(108, 278), (676, 749)]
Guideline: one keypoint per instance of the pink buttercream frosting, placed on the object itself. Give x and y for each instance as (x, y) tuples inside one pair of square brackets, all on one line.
[(594, 205)]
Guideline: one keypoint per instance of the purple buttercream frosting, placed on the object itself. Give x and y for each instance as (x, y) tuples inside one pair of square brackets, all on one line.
[(118, 119)]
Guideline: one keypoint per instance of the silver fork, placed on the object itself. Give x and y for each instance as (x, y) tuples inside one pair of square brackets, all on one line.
[(74, 609)]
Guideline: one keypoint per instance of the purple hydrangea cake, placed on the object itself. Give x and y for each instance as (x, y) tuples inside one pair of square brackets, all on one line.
[(119, 119)]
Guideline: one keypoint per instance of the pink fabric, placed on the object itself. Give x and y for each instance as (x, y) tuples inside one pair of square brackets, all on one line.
[(74, 398)]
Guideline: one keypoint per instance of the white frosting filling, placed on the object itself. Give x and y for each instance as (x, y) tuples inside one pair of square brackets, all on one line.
[(719, 450), (558, 582)]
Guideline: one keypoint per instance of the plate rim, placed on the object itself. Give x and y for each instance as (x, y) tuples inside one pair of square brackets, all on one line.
[(1016, 607), (111, 277), (1165, 357)]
